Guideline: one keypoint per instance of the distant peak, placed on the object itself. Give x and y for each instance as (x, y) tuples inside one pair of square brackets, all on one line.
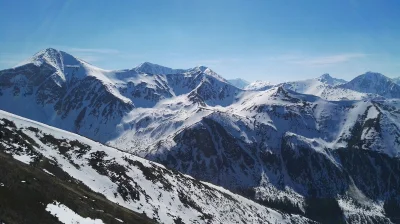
[(373, 74), (278, 90), (328, 79), (50, 49), (325, 76), (206, 70), (146, 63), (151, 68), (56, 58), (202, 68), (47, 51), (374, 78)]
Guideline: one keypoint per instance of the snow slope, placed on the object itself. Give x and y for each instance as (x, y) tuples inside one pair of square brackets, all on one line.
[(67, 216), (259, 85), (324, 86)]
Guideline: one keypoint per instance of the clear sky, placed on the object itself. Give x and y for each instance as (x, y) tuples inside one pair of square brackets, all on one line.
[(275, 40)]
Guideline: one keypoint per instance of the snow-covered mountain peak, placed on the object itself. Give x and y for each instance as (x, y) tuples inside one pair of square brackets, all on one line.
[(279, 92), (55, 58), (147, 67), (374, 76), (325, 76), (375, 83), (328, 79), (202, 68), (156, 69), (65, 65), (49, 51), (205, 70)]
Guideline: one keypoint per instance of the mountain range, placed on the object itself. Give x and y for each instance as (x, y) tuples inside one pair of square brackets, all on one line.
[(322, 150)]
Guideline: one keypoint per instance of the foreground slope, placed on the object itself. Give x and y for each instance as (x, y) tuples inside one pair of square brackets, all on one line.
[(29, 194), (100, 176)]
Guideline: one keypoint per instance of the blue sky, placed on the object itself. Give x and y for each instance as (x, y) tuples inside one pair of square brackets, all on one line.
[(276, 40)]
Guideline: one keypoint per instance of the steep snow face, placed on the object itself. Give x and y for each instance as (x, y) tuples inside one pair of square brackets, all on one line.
[(58, 89), (374, 83), (239, 83), (67, 66), (137, 184), (259, 85)]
